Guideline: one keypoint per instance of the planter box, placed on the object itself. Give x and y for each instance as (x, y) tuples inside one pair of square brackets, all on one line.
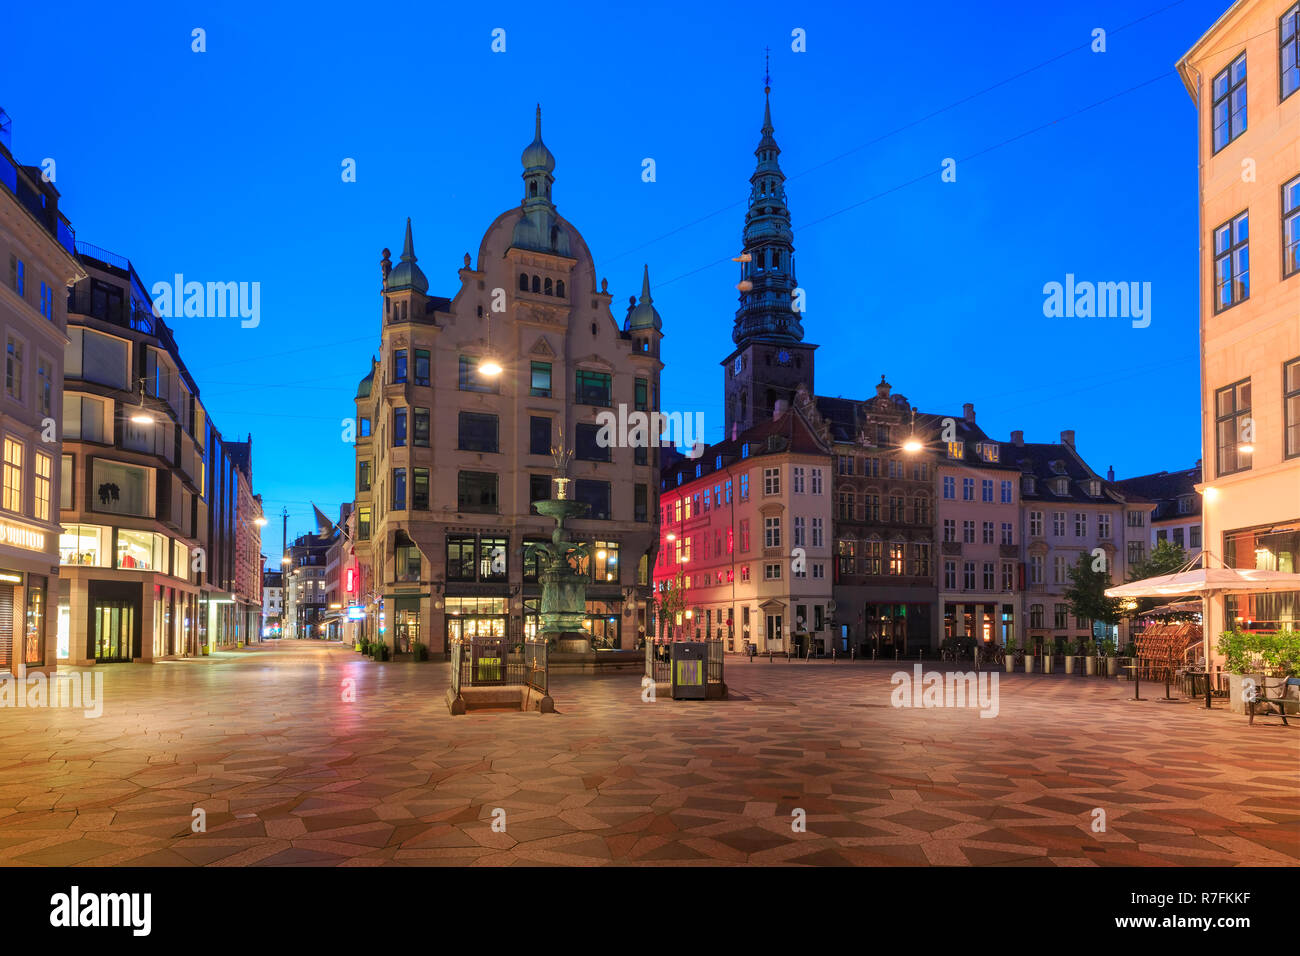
[(1010, 663), (1090, 666), (1112, 666), (1069, 664), (1049, 661), (1029, 663)]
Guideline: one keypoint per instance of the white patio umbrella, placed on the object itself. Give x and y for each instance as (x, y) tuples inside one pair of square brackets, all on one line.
[(1206, 583)]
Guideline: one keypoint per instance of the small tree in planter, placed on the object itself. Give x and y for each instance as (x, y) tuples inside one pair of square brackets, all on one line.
[(1107, 650), (1090, 657), (379, 651), (1071, 652), (1012, 651), (419, 652), (1049, 654)]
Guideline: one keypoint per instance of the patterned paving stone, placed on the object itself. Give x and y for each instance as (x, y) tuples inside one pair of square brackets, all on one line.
[(290, 775)]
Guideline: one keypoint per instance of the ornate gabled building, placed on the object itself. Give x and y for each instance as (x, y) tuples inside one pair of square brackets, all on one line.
[(771, 359), (458, 415), (883, 521)]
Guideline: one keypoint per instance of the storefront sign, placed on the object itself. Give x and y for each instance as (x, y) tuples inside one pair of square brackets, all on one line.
[(21, 537), (356, 613)]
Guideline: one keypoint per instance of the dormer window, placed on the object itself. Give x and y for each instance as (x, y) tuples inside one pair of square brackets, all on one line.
[(988, 451), (717, 463), (1185, 505), (1094, 488), (1061, 486), (957, 450), (744, 450), (1027, 485), (699, 469)]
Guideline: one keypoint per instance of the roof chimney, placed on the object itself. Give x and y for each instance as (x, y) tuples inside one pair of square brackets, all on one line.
[(1110, 473), (968, 412), (1017, 438), (779, 408), (1067, 437)]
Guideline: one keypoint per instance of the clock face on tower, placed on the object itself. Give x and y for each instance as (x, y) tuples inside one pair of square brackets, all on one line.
[(736, 365), (783, 357)]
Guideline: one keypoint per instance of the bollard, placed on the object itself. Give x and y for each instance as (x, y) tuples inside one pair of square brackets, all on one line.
[(769, 655)]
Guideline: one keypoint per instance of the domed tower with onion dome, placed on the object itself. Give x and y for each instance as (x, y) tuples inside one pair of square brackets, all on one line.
[(458, 414), (771, 359)]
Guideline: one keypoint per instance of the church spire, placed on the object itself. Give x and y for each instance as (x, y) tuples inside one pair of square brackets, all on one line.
[(767, 278)]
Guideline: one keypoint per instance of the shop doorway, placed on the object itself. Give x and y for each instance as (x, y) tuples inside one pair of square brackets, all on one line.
[(774, 634), (114, 629)]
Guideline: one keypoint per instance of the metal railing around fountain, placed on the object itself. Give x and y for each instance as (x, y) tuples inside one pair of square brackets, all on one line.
[(658, 664), (494, 661)]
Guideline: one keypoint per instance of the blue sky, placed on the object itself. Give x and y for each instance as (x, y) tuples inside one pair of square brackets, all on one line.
[(226, 166)]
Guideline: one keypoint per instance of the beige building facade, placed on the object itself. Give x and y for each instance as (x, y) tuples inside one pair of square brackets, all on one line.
[(1244, 77), (457, 419), (37, 262)]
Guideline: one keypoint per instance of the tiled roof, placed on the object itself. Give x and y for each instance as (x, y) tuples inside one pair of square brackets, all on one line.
[(789, 433), (1165, 488)]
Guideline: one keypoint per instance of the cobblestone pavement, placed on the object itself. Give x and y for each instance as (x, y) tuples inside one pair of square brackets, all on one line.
[(288, 773)]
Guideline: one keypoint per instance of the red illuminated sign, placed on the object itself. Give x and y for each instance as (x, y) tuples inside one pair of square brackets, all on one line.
[(352, 580)]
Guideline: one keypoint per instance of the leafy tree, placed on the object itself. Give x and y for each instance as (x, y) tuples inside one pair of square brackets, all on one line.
[(1165, 558), (1086, 594)]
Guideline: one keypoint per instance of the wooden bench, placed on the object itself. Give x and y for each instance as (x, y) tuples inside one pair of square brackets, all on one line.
[(1280, 701)]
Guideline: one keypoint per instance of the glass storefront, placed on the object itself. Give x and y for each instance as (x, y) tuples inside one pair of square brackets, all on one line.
[(1272, 548), (34, 632), (603, 622), (141, 550), (84, 545), (469, 617)]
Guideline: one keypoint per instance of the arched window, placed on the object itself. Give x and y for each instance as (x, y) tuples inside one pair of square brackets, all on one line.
[(555, 236), (559, 288), (776, 258), (532, 190), (548, 289), (523, 282), (537, 284)]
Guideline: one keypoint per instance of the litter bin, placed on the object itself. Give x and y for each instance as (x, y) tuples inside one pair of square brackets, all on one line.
[(690, 666)]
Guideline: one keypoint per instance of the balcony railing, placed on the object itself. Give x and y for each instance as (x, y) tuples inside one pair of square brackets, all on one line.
[(123, 314)]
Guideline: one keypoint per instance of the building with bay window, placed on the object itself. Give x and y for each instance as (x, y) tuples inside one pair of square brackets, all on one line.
[(37, 262), (457, 417), (150, 547)]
